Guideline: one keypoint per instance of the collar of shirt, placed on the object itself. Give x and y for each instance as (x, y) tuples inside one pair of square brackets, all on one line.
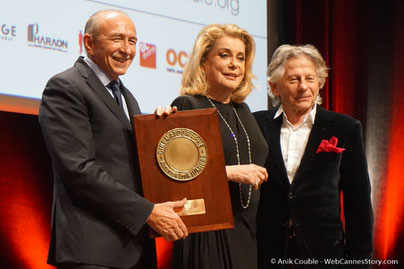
[(105, 80), (308, 118), (97, 70), (293, 140)]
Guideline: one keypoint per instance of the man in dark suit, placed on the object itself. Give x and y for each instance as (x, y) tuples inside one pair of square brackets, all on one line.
[(314, 156), (99, 216)]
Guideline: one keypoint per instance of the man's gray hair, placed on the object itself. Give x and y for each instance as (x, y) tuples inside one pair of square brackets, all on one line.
[(93, 23), (276, 67)]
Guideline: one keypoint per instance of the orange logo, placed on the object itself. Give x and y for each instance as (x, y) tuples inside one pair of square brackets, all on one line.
[(147, 55), (173, 58)]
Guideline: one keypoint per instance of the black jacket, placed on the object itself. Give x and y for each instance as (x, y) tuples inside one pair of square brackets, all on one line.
[(98, 215), (313, 200)]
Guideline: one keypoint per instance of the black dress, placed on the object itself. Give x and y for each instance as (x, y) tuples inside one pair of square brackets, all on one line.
[(232, 248)]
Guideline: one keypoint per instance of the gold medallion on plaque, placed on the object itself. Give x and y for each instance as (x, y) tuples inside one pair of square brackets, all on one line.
[(181, 154)]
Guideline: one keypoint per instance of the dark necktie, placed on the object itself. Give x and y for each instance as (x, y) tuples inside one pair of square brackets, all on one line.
[(114, 86)]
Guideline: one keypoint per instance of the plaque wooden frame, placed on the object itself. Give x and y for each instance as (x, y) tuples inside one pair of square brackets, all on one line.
[(211, 185)]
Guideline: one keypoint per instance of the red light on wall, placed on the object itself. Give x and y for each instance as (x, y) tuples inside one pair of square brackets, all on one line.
[(392, 208), (25, 187), (163, 250), (393, 204), (27, 235)]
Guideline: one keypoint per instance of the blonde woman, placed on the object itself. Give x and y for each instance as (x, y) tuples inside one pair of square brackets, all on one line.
[(218, 75)]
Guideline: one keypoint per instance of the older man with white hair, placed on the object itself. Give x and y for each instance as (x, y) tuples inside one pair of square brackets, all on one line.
[(316, 160)]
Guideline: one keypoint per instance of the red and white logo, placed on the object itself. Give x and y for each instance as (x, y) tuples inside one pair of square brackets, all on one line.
[(147, 55)]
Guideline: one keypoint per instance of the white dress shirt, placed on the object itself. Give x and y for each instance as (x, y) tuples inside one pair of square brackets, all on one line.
[(106, 80), (294, 140)]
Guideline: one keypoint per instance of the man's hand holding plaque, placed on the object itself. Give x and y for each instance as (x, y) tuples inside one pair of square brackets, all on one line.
[(166, 222)]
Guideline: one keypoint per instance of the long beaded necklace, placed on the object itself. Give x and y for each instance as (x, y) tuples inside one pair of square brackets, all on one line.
[(237, 150)]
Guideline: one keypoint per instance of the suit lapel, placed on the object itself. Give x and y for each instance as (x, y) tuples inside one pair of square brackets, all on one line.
[(96, 85), (318, 133), (273, 132)]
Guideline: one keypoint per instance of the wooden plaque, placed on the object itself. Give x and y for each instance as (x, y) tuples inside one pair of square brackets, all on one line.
[(181, 155)]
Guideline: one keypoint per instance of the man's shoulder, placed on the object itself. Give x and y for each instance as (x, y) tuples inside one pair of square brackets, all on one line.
[(72, 72), (72, 80), (65, 74), (340, 119), (265, 114)]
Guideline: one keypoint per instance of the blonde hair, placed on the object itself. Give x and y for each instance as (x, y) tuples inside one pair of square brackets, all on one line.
[(193, 78), (276, 68)]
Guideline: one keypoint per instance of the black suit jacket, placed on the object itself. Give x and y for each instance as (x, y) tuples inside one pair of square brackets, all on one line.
[(98, 214), (313, 198)]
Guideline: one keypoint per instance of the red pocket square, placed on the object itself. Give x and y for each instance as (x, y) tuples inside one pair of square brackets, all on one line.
[(329, 146)]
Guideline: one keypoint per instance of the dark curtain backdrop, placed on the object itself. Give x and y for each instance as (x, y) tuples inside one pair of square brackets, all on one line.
[(363, 44)]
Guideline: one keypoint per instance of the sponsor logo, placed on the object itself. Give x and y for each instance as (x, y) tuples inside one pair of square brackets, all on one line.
[(147, 55), (8, 32), (176, 61), (45, 42)]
